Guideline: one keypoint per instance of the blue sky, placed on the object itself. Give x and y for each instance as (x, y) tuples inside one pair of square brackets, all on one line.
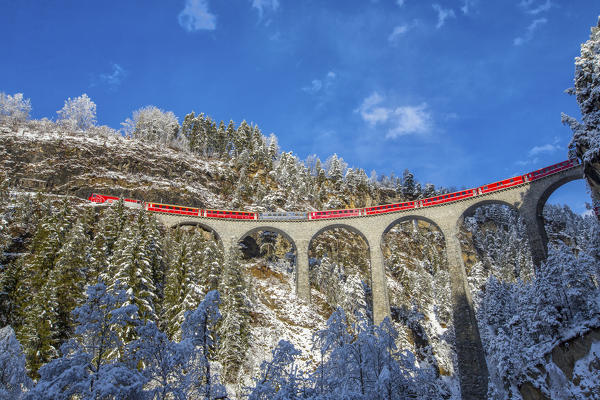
[(461, 92)]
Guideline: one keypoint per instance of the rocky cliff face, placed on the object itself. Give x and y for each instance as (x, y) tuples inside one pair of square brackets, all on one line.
[(572, 370), (79, 164)]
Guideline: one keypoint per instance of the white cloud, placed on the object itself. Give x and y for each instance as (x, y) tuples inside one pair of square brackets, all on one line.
[(546, 148), (110, 79), (523, 163), (467, 6), (529, 31), (195, 16), (262, 5), (410, 119), (400, 3), (443, 15), (399, 121), (316, 85), (397, 32), (531, 8)]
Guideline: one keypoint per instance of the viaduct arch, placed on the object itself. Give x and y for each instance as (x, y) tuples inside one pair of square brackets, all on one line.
[(528, 198)]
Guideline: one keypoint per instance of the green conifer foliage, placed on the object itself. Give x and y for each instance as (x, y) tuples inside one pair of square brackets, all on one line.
[(67, 279), (234, 328), (131, 267), (110, 228), (183, 289), (39, 331)]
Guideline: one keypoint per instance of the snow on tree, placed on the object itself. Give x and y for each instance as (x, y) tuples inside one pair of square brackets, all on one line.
[(14, 109), (279, 377), (199, 331), (110, 228), (164, 364), (13, 376), (409, 185), (586, 135), (335, 168), (78, 113), (152, 124), (131, 267), (86, 369), (273, 150), (183, 290), (67, 279), (234, 329)]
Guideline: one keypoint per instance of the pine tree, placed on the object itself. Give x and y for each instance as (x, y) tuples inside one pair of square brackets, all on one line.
[(586, 135), (110, 228), (86, 368), (131, 268), (40, 329), (408, 185), (234, 329), (13, 376), (183, 291), (67, 279), (200, 332)]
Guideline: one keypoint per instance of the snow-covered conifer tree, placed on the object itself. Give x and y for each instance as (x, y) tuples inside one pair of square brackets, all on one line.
[(13, 376), (67, 279), (110, 227), (234, 329), (280, 378), (586, 135), (86, 369), (199, 333), (131, 267), (408, 185), (183, 291)]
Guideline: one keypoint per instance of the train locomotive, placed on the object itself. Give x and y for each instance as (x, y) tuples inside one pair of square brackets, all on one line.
[(343, 213)]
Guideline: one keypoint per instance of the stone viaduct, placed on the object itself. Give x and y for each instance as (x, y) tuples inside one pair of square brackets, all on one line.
[(528, 199)]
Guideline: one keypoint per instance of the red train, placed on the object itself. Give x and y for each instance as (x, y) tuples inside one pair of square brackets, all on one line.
[(350, 212), (389, 208), (355, 212)]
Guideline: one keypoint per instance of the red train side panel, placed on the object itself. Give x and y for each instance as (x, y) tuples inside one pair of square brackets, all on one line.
[(492, 187), (540, 173), (100, 198), (354, 212), (229, 214), (389, 208), (445, 198), (169, 209)]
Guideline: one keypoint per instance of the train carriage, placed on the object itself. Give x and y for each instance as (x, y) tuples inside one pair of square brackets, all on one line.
[(445, 198), (506, 183), (354, 212), (552, 169), (100, 198), (171, 209), (389, 208), (284, 215), (229, 214)]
